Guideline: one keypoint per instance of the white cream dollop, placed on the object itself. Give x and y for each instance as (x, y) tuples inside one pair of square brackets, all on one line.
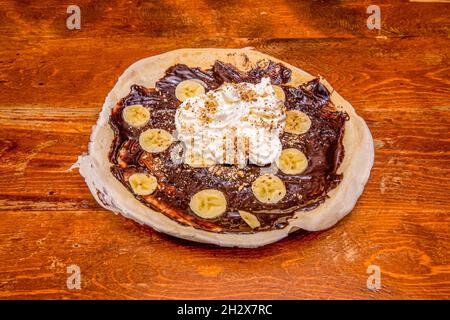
[(238, 123)]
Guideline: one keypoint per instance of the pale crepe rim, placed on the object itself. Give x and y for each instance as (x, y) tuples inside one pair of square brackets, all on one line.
[(112, 195)]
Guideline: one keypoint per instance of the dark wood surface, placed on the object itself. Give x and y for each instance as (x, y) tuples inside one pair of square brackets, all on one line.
[(53, 82)]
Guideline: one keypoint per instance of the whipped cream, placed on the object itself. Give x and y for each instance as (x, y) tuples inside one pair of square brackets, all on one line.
[(238, 123)]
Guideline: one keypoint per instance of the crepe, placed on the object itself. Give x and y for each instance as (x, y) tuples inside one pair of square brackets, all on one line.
[(112, 195)]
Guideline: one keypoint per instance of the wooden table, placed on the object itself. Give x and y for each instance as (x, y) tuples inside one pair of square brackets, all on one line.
[(53, 83)]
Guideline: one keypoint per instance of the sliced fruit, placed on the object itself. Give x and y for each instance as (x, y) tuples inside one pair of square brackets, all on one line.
[(208, 203), (189, 88), (143, 184), (198, 161), (155, 140), (292, 161), (268, 188), (250, 219), (279, 92), (136, 115), (297, 122)]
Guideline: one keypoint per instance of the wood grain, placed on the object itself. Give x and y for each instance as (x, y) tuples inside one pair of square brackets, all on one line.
[(53, 82)]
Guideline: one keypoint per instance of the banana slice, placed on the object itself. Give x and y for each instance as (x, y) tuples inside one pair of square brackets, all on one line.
[(268, 188), (250, 219), (297, 122), (189, 88), (198, 161), (155, 140), (136, 115), (208, 203), (292, 161), (279, 92), (143, 184)]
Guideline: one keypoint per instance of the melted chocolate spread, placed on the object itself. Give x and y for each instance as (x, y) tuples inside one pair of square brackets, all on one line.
[(177, 183)]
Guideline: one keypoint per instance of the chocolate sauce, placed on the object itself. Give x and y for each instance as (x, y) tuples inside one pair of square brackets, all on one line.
[(178, 182)]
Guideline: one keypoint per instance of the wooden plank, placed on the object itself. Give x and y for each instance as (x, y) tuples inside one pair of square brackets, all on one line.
[(42, 73), (222, 18)]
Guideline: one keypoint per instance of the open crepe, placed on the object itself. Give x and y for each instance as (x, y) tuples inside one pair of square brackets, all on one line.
[(110, 193)]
